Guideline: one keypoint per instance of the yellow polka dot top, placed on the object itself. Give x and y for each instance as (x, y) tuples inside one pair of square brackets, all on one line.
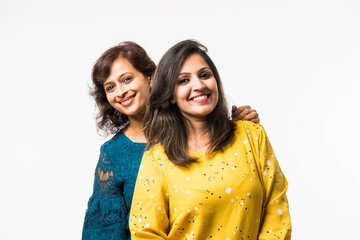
[(238, 192)]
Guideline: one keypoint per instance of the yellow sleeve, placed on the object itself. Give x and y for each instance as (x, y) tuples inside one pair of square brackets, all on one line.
[(148, 217), (275, 223)]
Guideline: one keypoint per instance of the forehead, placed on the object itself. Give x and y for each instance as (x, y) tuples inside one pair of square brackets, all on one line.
[(192, 63), (121, 65)]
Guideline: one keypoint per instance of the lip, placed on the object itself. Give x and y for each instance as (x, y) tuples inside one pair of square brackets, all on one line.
[(207, 96), (127, 100)]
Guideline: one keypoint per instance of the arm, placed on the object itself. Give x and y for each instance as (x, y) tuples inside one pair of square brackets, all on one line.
[(244, 113), (149, 210), (275, 222), (105, 217)]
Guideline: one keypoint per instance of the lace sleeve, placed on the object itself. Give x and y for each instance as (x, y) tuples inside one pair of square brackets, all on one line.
[(106, 214)]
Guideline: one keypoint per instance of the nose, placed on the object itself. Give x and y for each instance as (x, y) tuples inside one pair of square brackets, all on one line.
[(198, 84), (120, 90)]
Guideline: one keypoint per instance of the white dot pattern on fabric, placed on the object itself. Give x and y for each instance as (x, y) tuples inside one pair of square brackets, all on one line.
[(207, 187)]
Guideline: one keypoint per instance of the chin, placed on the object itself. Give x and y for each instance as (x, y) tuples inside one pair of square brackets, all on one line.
[(201, 114), (205, 112), (135, 112)]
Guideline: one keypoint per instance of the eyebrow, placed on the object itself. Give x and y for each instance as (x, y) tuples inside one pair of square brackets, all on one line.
[(198, 70), (105, 84)]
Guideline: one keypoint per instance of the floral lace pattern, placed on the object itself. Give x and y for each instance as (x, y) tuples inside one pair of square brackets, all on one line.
[(115, 176)]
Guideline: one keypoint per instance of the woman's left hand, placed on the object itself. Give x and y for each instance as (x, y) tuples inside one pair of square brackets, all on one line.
[(244, 113)]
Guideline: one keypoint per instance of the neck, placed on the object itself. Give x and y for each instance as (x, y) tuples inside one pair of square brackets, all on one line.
[(198, 138), (134, 130)]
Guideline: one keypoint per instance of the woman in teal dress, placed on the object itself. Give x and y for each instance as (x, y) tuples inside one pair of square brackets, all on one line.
[(122, 79)]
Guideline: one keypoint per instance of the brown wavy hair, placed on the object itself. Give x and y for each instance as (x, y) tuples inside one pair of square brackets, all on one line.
[(164, 122), (108, 119)]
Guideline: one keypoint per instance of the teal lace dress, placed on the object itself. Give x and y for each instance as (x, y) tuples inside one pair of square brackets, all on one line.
[(115, 175)]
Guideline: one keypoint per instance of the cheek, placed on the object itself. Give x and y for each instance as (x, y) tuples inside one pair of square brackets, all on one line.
[(180, 93), (215, 89), (217, 93), (110, 98), (145, 92)]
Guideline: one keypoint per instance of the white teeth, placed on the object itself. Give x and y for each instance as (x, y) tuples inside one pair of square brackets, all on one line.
[(200, 98), (127, 101)]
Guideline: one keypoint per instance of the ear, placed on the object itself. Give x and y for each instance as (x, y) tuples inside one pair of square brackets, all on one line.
[(172, 101), (150, 81)]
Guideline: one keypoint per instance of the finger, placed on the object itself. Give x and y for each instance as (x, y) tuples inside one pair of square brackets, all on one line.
[(251, 115), (235, 112), (240, 115), (233, 108), (255, 120), (246, 112), (242, 108)]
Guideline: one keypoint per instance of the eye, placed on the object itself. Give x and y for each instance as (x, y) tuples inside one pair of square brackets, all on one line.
[(205, 75), (126, 79), (108, 88), (183, 80)]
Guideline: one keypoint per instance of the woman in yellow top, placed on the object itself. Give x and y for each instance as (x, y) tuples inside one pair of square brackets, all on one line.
[(204, 177)]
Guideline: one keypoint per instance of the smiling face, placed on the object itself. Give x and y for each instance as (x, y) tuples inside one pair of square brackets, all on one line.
[(196, 91), (127, 89)]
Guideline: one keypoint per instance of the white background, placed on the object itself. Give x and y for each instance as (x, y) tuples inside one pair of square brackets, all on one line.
[(296, 62)]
